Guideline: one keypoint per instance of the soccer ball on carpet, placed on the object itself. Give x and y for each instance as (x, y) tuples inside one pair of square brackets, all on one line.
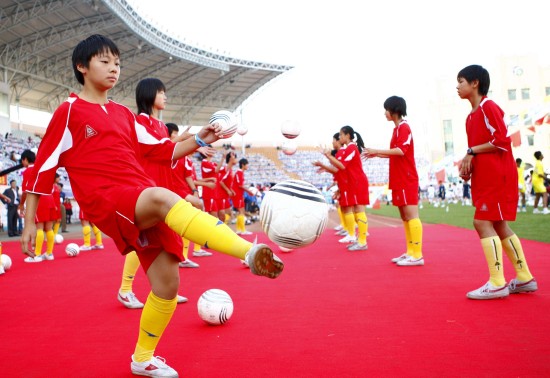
[(227, 121), (59, 239), (5, 260), (293, 214), (290, 129), (72, 249), (215, 306)]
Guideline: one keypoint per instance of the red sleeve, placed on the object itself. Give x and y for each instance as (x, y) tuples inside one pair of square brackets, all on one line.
[(404, 137), (494, 120), (152, 148)]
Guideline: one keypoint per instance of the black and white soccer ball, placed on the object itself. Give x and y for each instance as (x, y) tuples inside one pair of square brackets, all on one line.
[(215, 306)]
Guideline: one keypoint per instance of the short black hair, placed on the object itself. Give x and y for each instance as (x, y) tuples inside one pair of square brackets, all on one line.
[(228, 156), (518, 160), (243, 162), (146, 93), (476, 72), (85, 50), (29, 155), (172, 127), (396, 105), (538, 154)]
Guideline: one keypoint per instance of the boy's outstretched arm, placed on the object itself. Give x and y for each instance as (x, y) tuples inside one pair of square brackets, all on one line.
[(29, 231)]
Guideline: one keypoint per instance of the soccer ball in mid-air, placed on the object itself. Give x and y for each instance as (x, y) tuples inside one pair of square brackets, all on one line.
[(227, 121), (290, 129), (72, 249), (242, 130), (5, 260), (293, 214), (215, 306), (289, 147), (58, 239)]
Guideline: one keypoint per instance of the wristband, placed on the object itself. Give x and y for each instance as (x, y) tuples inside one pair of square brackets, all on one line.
[(199, 141)]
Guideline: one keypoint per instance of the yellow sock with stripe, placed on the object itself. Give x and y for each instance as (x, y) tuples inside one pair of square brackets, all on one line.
[(408, 237), (492, 247), (241, 223), (185, 248), (341, 216), (514, 251), (87, 235), (415, 228), (155, 317), (39, 242), (56, 227), (362, 227), (204, 229), (98, 236), (349, 220), (50, 241), (227, 218), (131, 265)]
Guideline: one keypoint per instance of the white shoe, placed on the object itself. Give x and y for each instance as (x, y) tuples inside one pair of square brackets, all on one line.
[(536, 211), (188, 264), (201, 253), (357, 247), (85, 248), (155, 367), (48, 256), (545, 211), (244, 263), (35, 259), (263, 262), (489, 291), (2, 271), (244, 233), (338, 228), (98, 246), (396, 259), (410, 261), (182, 299), (523, 210), (348, 239), (129, 300), (341, 232), (515, 286)]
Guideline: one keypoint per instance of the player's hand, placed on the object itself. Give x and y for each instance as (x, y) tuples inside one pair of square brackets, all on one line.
[(207, 151), (466, 166), (317, 163), (27, 238), (210, 133), (369, 153), (210, 185)]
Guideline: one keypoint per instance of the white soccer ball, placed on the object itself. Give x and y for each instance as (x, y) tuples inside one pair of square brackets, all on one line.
[(215, 306), (5, 260), (72, 249), (290, 129), (59, 239), (285, 250), (294, 214), (289, 147), (242, 130), (228, 122)]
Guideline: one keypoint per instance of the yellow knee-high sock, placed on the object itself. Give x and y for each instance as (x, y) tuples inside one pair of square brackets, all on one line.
[(196, 247), (97, 234), (131, 265), (204, 229), (87, 235), (492, 247), (415, 228), (241, 223), (408, 237), (50, 241), (227, 218), (56, 227), (185, 248), (514, 251), (39, 242), (349, 219), (362, 227), (155, 317), (341, 216)]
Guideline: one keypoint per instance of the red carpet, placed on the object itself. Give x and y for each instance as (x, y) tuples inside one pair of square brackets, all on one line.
[(332, 313)]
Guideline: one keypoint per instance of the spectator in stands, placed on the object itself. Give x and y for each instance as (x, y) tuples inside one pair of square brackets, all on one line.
[(490, 164), (68, 209), (403, 179), (103, 145)]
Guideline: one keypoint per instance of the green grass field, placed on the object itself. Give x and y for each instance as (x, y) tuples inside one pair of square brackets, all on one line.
[(527, 225)]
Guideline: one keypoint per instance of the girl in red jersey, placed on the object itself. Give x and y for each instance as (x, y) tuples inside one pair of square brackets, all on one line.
[(490, 164), (403, 179), (356, 194), (225, 187), (121, 198)]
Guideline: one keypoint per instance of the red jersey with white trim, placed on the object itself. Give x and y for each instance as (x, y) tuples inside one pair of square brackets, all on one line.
[(208, 170), (403, 172), (494, 174), (180, 173), (340, 176), (238, 181), (162, 174), (356, 177), (226, 176), (99, 146)]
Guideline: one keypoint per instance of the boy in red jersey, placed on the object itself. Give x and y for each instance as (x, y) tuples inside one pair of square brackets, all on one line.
[(225, 187), (122, 200), (239, 187), (210, 171), (403, 179), (491, 166)]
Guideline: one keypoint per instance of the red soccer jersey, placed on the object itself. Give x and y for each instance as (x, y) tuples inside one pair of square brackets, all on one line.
[(355, 176), (340, 176), (494, 174), (403, 172), (99, 146), (238, 181), (208, 170), (226, 176)]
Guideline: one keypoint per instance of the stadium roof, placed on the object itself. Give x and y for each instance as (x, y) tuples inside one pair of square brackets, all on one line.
[(37, 38)]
